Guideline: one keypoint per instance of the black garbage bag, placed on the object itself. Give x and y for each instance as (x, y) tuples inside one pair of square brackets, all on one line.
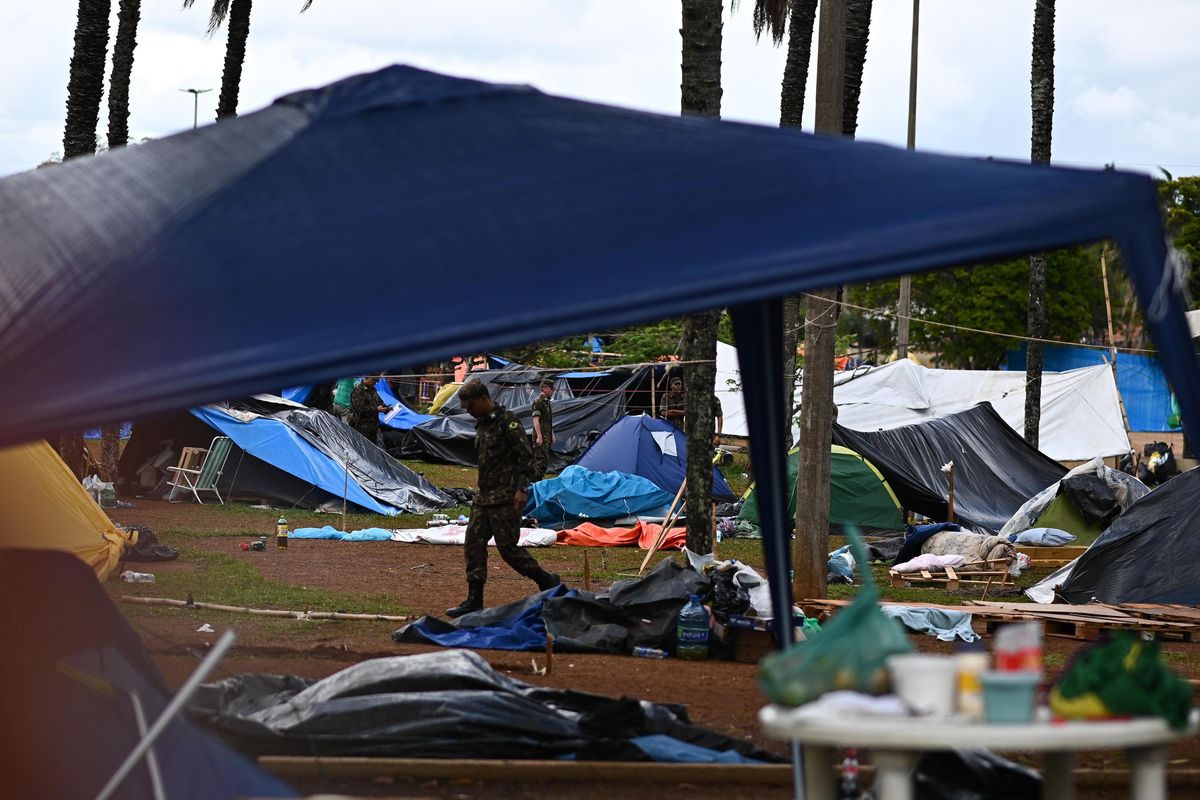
[(974, 775), (148, 547), (1158, 464), (727, 597), (1094, 499)]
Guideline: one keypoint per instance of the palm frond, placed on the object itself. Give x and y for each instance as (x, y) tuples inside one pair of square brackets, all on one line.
[(306, 6), (769, 15), (220, 10)]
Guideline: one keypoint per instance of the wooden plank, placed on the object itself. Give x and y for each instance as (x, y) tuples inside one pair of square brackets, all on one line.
[(522, 771), (1067, 552)]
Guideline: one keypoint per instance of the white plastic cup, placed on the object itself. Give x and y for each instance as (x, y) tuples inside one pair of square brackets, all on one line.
[(925, 683)]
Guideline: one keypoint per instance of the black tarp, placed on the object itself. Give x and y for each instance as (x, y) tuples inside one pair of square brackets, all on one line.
[(1150, 554), (69, 664), (995, 470), (513, 386), (438, 705), (451, 438)]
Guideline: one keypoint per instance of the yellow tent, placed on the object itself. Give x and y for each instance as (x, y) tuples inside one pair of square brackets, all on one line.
[(443, 394), (44, 507)]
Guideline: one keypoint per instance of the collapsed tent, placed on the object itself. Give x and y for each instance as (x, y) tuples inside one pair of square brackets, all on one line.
[(579, 493), (650, 448), (1083, 503), (1149, 555), (513, 386), (1081, 410), (644, 535), (45, 508), (451, 438), (447, 705), (284, 453), (995, 470), (858, 493), (73, 674), (638, 612)]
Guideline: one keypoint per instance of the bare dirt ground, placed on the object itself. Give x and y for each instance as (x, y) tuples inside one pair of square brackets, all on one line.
[(426, 579)]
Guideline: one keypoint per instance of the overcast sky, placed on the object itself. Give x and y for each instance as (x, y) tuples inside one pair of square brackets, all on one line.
[(1125, 72)]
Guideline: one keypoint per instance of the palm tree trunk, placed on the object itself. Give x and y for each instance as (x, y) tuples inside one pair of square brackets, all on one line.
[(122, 68), (1042, 107), (801, 21), (235, 55), (700, 93), (85, 87), (858, 29), (85, 91)]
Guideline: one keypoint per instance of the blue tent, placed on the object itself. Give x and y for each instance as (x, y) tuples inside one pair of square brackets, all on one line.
[(439, 190), (652, 448), (1140, 380)]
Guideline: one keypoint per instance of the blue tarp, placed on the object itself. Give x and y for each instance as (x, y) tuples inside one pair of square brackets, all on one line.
[(678, 214), (407, 418), (275, 443), (330, 532), (297, 394), (96, 433), (523, 629), (580, 493), (1140, 380), (631, 445)]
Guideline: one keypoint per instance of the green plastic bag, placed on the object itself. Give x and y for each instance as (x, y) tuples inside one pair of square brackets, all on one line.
[(847, 653)]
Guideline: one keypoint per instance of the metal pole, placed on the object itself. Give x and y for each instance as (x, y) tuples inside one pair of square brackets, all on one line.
[(905, 304), (169, 713), (156, 781), (195, 93)]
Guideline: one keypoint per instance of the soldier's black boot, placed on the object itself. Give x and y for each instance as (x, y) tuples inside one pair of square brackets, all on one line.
[(545, 580), (474, 601)]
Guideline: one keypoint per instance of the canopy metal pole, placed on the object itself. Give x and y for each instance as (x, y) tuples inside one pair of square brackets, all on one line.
[(759, 331), (156, 781), (169, 713)]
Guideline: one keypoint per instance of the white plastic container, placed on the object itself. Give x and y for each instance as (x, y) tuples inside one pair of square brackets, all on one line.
[(927, 684)]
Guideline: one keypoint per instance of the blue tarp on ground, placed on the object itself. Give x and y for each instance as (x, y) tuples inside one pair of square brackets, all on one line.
[(330, 532), (407, 418), (1140, 380), (523, 629), (280, 446), (580, 493), (652, 448)]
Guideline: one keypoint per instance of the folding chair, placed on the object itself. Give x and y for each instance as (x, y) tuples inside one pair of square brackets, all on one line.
[(202, 477)]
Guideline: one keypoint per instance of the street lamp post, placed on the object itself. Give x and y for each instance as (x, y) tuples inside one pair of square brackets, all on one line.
[(195, 93)]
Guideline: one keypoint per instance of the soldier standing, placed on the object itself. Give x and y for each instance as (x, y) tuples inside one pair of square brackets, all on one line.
[(505, 469), (543, 429), (673, 408), (365, 409)]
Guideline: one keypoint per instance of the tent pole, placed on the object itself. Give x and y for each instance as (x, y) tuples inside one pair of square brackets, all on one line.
[(345, 482), (169, 713), (1112, 345)]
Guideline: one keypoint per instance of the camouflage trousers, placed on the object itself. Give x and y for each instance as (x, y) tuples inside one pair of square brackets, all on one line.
[(541, 460), (504, 524)]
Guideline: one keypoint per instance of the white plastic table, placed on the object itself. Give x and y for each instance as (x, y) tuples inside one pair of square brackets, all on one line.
[(897, 745)]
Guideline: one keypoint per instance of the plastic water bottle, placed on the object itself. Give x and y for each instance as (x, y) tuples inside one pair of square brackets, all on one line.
[(649, 652), (129, 576), (850, 787), (281, 533), (691, 631)]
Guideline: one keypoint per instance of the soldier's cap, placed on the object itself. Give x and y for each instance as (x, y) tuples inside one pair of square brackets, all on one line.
[(547, 383), (473, 390)]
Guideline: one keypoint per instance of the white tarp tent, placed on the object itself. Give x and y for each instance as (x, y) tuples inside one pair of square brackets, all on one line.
[(1081, 411)]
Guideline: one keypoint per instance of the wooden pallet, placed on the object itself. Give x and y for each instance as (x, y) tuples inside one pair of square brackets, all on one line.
[(985, 573)]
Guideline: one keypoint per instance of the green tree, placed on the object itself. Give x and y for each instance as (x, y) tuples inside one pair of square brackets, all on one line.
[(1180, 198)]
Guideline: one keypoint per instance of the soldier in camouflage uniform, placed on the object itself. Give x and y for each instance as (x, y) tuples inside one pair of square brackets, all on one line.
[(672, 408), (505, 470), (543, 429), (365, 409)]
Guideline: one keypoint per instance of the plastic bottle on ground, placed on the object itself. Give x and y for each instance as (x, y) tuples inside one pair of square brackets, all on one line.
[(691, 631), (649, 652), (281, 534), (129, 576)]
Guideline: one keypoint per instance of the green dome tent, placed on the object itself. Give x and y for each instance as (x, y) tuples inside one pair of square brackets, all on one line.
[(858, 494)]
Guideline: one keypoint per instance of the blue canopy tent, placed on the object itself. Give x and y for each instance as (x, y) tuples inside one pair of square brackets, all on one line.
[(421, 181)]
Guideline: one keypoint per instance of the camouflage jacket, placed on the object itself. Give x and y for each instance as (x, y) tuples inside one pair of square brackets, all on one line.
[(673, 401), (542, 410), (505, 457), (364, 405)]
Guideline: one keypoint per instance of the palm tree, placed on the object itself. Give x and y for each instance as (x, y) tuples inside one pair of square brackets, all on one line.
[(1042, 106), (700, 93), (122, 67), (85, 90), (238, 13), (128, 16)]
